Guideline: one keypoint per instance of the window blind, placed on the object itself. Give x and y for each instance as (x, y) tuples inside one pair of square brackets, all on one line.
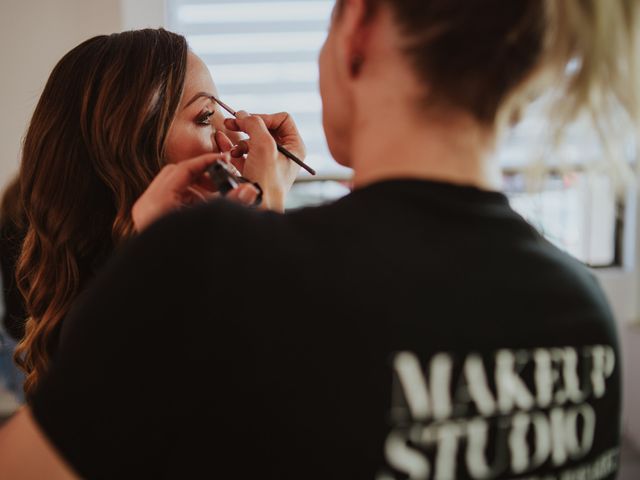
[(263, 58), (262, 55)]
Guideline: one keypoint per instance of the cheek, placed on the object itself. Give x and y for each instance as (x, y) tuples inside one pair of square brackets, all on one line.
[(187, 140)]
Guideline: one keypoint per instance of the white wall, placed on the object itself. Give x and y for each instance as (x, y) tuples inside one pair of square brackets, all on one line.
[(34, 35), (142, 14)]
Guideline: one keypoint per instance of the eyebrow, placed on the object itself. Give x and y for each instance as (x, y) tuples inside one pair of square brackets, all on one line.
[(197, 96)]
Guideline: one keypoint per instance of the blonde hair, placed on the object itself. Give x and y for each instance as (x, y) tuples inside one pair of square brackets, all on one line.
[(602, 38), (589, 63), (491, 58)]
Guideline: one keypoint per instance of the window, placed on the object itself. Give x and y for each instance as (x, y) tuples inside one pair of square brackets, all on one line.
[(263, 57), (578, 207)]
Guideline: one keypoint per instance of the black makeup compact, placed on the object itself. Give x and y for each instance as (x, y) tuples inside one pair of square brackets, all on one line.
[(226, 177)]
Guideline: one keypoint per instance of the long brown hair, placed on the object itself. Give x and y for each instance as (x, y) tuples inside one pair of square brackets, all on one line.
[(95, 142)]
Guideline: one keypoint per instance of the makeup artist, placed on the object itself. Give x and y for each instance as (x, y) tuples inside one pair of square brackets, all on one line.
[(417, 328)]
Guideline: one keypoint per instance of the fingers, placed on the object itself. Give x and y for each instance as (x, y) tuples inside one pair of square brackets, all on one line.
[(205, 183), (193, 195), (242, 148), (223, 142), (237, 151), (230, 124), (253, 125), (245, 194), (239, 163), (175, 186), (188, 172), (279, 126), (177, 179), (279, 123), (201, 194), (258, 158)]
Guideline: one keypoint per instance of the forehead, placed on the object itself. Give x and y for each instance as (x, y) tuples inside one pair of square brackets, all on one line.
[(197, 78)]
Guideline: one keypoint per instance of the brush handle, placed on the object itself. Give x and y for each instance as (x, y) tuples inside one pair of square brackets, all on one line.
[(295, 159), (281, 149)]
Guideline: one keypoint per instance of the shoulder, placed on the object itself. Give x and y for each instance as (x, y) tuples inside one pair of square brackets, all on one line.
[(207, 247), (240, 230)]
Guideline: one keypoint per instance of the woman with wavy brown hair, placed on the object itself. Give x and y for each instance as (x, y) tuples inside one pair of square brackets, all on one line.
[(115, 110)]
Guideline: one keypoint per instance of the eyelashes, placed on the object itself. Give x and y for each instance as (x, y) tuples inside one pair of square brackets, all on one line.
[(204, 118)]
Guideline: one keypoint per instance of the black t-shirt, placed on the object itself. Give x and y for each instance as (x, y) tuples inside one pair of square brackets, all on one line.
[(410, 328)]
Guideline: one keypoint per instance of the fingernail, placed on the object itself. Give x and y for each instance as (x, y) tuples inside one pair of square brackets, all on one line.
[(245, 195)]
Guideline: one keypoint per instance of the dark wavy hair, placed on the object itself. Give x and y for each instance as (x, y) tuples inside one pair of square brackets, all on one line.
[(95, 142)]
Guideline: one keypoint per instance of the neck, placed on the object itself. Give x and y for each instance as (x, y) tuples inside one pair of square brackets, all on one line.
[(451, 148)]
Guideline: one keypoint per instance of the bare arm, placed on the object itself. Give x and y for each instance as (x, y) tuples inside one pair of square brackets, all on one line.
[(25, 453)]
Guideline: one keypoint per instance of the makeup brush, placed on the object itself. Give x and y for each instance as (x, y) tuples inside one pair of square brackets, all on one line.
[(281, 149)]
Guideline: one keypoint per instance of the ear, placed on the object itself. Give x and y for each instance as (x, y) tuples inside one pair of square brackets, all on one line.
[(353, 26)]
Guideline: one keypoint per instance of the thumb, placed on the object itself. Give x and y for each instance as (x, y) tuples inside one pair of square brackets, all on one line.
[(245, 194), (188, 172)]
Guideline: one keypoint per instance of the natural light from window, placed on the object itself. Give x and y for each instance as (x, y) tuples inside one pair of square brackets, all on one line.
[(263, 57)]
